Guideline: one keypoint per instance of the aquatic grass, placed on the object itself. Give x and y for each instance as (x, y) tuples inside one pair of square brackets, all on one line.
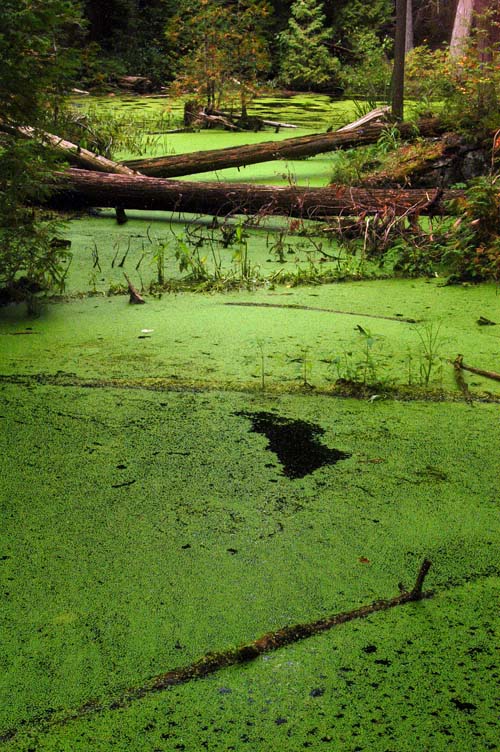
[(431, 342)]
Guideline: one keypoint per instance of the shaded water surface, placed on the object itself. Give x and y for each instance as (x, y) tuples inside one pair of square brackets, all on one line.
[(295, 443)]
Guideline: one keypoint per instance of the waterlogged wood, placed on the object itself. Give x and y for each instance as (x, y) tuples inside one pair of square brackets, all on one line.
[(291, 148), (296, 307), (73, 153), (459, 363), (212, 662), (82, 188), (135, 297), (370, 117)]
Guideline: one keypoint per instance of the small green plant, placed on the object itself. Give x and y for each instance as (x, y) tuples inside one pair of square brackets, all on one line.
[(389, 139), (190, 260), (304, 364), (360, 366), (430, 342), (262, 363), (159, 261)]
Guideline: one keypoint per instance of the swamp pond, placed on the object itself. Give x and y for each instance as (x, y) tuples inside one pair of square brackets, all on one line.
[(183, 477)]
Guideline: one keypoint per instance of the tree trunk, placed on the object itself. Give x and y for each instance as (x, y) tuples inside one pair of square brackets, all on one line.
[(461, 27), (398, 73), (409, 27), (291, 148), (81, 188), (73, 153)]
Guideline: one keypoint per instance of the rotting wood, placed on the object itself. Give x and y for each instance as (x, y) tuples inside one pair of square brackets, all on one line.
[(73, 153), (213, 662), (459, 363), (297, 307), (83, 188), (291, 148)]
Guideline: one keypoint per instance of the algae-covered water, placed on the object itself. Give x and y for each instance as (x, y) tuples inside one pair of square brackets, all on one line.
[(182, 477)]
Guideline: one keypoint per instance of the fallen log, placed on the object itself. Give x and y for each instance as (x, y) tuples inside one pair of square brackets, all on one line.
[(291, 148), (459, 364), (82, 188), (213, 662), (370, 117), (73, 153)]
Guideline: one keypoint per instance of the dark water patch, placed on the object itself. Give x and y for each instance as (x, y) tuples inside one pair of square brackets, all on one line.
[(295, 443)]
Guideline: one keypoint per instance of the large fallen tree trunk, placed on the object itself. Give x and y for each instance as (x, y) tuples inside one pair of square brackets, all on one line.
[(82, 188), (73, 153), (291, 148)]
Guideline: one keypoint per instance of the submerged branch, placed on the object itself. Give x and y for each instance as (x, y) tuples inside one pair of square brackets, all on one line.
[(212, 662), (458, 363), (296, 307)]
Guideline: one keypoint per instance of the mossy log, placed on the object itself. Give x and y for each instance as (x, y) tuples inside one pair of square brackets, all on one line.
[(291, 148), (82, 188)]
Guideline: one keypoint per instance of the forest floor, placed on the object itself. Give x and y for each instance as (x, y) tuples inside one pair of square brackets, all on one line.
[(156, 508)]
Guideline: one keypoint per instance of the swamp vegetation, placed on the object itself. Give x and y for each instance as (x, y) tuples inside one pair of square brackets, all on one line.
[(236, 442)]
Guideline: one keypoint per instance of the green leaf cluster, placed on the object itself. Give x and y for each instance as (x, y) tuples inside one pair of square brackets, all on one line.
[(306, 62), (38, 59)]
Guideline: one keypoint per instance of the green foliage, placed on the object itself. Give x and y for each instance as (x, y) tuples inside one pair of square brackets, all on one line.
[(306, 62), (38, 60), (37, 64), (465, 89), (472, 247), (356, 16), (369, 75), (31, 259), (105, 133), (126, 36), (223, 49)]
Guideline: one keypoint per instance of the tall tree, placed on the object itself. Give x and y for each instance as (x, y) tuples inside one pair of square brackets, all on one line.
[(409, 26), (461, 26), (398, 75), (306, 61)]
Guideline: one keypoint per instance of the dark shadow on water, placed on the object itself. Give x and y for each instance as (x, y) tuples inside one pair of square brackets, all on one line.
[(295, 443)]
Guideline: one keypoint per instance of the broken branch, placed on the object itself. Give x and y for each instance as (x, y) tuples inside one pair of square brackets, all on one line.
[(134, 295), (212, 662), (480, 372)]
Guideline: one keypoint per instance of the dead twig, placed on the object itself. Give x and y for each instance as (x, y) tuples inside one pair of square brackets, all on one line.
[(296, 307), (134, 295)]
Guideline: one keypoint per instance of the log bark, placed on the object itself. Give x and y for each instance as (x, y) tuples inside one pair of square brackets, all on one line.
[(73, 153), (291, 148), (82, 188)]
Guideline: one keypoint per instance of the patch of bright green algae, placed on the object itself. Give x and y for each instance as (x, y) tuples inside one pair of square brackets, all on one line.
[(199, 340), (102, 251), (155, 116), (143, 530), (374, 686)]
